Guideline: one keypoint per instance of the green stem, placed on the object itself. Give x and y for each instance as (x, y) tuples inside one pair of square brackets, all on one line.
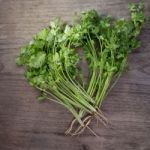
[(73, 85), (89, 90), (64, 101), (101, 93), (79, 102)]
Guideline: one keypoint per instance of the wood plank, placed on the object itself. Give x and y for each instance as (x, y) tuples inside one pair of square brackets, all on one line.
[(26, 124)]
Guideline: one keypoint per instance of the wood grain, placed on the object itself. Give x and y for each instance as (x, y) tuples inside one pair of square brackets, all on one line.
[(26, 124)]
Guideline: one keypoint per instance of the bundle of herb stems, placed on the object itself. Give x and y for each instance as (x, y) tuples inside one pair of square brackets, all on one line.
[(51, 61)]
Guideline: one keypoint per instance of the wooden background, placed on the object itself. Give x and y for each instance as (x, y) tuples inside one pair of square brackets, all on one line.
[(26, 124)]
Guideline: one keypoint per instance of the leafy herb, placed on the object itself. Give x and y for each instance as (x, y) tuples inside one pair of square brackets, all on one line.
[(51, 60)]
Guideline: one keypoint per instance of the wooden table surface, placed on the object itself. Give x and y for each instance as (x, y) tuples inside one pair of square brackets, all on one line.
[(26, 124)]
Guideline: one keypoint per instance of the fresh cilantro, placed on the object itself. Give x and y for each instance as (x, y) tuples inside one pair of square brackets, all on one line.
[(51, 60)]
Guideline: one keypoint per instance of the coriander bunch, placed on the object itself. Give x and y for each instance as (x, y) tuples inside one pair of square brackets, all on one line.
[(51, 61)]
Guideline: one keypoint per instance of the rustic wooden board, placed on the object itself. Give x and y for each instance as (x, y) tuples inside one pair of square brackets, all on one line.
[(26, 124)]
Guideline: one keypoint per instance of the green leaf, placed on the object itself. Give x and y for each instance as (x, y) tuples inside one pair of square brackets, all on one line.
[(36, 61), (18, 61), (42, 35)]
